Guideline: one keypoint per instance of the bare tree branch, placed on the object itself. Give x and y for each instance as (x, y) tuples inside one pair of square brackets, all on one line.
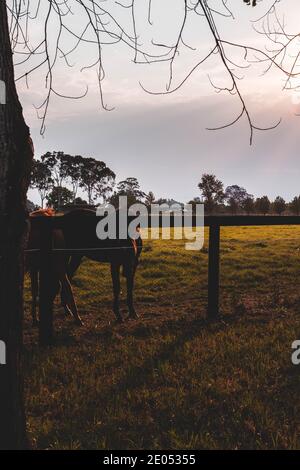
[(102, 24)]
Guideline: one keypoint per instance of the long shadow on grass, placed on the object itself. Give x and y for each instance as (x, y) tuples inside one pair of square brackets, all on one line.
[(141, 435), (141, 375)]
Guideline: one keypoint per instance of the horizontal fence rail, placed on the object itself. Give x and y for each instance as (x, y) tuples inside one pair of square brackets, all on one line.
[(222, 220), (245, 220), (46, 226)]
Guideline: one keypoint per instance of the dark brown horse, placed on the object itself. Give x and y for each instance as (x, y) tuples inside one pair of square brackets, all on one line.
[(119, 253), (58, 269)]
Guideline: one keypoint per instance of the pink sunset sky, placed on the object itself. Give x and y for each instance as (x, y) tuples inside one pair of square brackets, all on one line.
[(162, 140)]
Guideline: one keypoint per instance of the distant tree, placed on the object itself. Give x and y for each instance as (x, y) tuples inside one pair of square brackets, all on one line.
[(130, 188), (295, 205), (41, 179), (279, 205), (262, 205), (248, 204), (71, 169), (104, 187), (59, 196), (212, 191), (79, 201), (235, 196), (96, 179), (57, 164), (149, 199)]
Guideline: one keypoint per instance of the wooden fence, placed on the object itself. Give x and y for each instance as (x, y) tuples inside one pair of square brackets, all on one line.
[(46, 225)]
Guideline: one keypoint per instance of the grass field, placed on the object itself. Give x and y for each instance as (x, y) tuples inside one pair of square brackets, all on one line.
[(169, 379)]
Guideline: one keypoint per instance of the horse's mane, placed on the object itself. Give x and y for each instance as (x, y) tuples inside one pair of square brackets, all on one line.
[(49, 212)]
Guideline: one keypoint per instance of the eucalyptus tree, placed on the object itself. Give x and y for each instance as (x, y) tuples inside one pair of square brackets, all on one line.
[(96, 178), (212, 191), (279, 205), (295, 205), (41, 179)]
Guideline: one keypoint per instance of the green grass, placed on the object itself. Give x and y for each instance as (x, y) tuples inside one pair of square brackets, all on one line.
[(170, 379)]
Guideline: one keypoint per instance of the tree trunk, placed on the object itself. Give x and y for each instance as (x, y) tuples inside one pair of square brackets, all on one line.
[(90, 196), (15, 162)]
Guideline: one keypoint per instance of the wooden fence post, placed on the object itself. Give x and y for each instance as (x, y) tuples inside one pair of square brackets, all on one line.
[(213, 271), (45, 283)]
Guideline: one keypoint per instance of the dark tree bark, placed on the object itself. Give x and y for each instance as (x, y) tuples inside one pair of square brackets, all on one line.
[(15, 162)]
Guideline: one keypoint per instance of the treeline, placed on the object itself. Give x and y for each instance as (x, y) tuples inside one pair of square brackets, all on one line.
[(236, 200), (58, 177)]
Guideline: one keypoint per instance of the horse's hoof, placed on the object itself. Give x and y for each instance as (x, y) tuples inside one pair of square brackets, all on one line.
[(79, 322)]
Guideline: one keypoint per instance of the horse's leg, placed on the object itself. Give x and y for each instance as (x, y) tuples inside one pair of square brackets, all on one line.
[(63, 301), (70, 300), (73, 265), (130, 273), (54, 287), (115, 276), (34, 293)]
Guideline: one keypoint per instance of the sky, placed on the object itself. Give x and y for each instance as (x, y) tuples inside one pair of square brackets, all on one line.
[(163, 140)]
